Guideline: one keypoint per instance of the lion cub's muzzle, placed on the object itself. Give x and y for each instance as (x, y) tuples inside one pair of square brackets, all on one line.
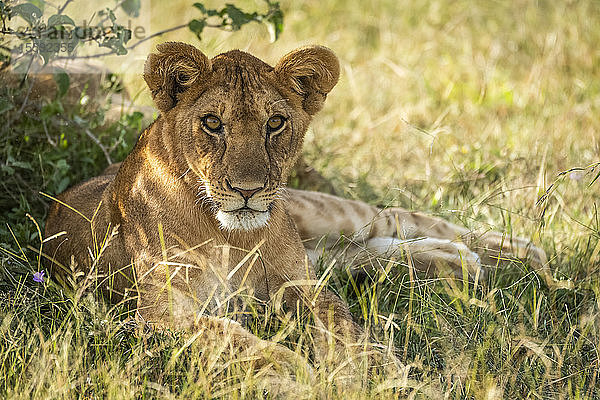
[(243, 206)]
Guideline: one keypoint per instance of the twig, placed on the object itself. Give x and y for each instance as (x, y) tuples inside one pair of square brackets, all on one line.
[(95, 140), (61, 9), (26, 99), (47, 3), (85, 57), (113, 10), (52, 142), (156, 34), (108, 53), (136, 44), (28, 89)]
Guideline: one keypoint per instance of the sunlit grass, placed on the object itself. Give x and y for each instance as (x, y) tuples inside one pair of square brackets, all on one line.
[(468, 110)]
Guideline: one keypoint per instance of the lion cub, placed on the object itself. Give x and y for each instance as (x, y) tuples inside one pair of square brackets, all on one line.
[(193, 220), (196, 217)]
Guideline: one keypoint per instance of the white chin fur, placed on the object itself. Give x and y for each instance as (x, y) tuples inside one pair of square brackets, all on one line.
[(244, 220)]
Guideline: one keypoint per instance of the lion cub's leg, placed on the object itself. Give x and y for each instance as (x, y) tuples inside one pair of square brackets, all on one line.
[(426, 254), (418, 224), (490, 246), (324, 220), (220, 336), (341, 346)]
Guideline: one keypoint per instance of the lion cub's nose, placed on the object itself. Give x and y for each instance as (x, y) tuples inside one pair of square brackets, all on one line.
[(246, 193)]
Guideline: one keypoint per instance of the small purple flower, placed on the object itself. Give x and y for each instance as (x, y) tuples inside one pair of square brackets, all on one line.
[(576, 175), (39, 276)]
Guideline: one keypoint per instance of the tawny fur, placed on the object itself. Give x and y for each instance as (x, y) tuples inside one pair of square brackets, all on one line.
[(168, 247), (157, 213)]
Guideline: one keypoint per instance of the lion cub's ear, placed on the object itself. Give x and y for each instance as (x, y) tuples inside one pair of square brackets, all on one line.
[(311, 72), (172, 71)]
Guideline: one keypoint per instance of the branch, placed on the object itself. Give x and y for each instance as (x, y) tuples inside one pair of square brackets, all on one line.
[(61, 9), (52, 142), (136, 44), (98, 55), (28, 89), (95, 139), (175, 28)]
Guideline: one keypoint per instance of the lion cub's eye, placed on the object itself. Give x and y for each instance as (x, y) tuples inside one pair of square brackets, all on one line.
[(275, 123), (212, 123)]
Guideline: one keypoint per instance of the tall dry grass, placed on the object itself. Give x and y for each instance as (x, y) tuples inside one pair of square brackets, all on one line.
[(468, 110)]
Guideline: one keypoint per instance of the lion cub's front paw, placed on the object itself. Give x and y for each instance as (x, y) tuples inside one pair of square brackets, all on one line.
[(228, 338), (534, 254), (497, 247), (280, 357), (503, 247), (431, 254)]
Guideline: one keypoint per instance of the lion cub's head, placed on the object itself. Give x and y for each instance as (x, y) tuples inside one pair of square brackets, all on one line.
[(239, 122)]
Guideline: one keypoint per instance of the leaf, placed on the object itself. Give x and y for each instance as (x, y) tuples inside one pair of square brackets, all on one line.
[(112, 16), (203, 10), (5, 105), (197, 26), (275, 23), (61, 165), (60, 19), (132, 7), (28, 12), (200, 7), (238, 17), (62, 185), (7, 170), (62, 81), (21, 164), (41, 4), (10, 161), (125, 35), (115, 44), (48, 48)]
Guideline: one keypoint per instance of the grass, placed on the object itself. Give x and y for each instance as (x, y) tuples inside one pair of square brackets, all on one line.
[(466, 110)]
